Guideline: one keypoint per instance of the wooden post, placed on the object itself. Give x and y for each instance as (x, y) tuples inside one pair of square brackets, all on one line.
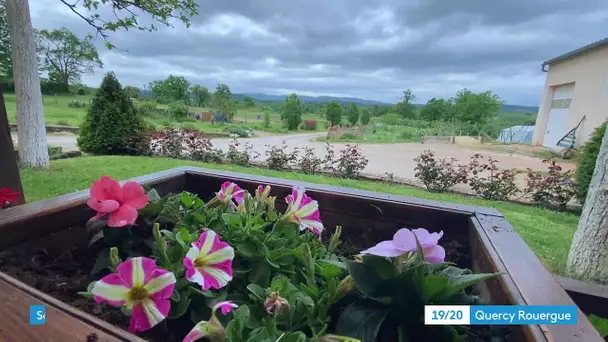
[(9, 171)]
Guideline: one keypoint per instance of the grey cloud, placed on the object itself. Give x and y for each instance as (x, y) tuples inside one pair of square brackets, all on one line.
[(354, 47)]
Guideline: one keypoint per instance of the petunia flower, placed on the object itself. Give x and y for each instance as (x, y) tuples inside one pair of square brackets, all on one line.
[(7, 197), (120, 203), (231, 191), (304, 211), (209, 261), (404, 241), (142, 288), (262, 192), (212, 329)]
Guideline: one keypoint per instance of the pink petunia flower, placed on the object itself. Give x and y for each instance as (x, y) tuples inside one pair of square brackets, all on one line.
[(262, 192), (231, 191), (304, 211), (142, 288), (7, 197), (212, 328), (404, 241), (209, 261), (120, 203)]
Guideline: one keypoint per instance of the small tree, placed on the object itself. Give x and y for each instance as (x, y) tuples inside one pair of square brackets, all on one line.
[(476, 108), (112, 125), (249, 101), (132, 92), (586, 163), (174, 88), (222, 101), (292, 112), (406, 108), (267, 122), (200, 95), (353, 114), (436, 109), (333, 113), (365, 116)]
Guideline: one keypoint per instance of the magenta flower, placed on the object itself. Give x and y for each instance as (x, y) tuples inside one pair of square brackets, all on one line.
[(211, 329), (303, 211), (120, 203), (142, 288), (209, 261), (262, 192), (404, 241), (231, 191)]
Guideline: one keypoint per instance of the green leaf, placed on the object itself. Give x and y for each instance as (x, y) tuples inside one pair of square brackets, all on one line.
[(285, 260), (219, 297), (197, 291), (183, 238), (361, 320), (175, 296), (272, 264), (383, 267), (102, 262), (460, 279), (366, 278), (260, 335), (257, 290), (600, 324), (331, 268), (247, 249), (433, 285), (186, 200), (233, 220), (260, 274), (179, 308), (153, 196), (297, 336)]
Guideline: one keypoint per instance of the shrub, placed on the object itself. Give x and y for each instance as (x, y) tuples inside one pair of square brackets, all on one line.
[(438, 174), (406, 135), (277, 158), (555, 189), (365, 116), (63, 123), (333, 113), (309, 163), (353, 114), (241, 157), (81, 91), (292, 112), (310, 125), (77, 104), (586, 163), (146, 107), (189, 126), (496, 185), (390, 119), (349, 164), (181, 144), (267, 122), (178, 109), (112, 125), (217, 156), (243, 132)]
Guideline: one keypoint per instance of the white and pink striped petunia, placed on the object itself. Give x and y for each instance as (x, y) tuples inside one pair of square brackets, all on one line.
[(304, 211), (230, 191), (209, 261), (140, 286), (212, 328)]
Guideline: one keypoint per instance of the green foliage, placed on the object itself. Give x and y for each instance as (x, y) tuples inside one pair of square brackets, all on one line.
[(222, 101), (476, 108), (249, 101), (586, 163), (178, 109), (146, 107), (365, 116), (123, 14), (406, 108), (132, 92), (333, 113), (353, 114), (112, 125), (437, 109), (600, 324), (200, 95), (292, 112), (6, 61), (65, 57), (174, 88), (390, 119), (267, 122)]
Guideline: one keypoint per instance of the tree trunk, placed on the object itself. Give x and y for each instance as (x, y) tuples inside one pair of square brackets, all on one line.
[(588, 258), (33, 150)]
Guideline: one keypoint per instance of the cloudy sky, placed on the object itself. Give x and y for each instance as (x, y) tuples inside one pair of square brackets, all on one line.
[(360, 48)]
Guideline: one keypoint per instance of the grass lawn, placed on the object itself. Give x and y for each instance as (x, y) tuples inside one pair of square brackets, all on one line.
[(547, 232), (381, 135)]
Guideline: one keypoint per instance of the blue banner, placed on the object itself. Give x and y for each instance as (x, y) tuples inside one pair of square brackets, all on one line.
[(522, 315)]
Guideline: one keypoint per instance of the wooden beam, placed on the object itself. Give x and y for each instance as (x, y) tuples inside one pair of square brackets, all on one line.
[(9, 170)]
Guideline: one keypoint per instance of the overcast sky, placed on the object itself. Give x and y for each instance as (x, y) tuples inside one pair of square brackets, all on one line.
[(360, 48)]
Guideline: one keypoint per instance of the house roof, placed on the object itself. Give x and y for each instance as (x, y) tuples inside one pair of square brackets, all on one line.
[(576, 52)]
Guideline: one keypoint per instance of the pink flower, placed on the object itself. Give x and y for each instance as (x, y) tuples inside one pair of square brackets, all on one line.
[(142, 288), (213, 328), (120, 203), (7, 197), (303, 211), (404, 241), (231, 191), (209, 261), (262, 192)]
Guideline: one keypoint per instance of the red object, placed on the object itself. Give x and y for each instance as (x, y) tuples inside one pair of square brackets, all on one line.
[(120, 203), (8, 197)]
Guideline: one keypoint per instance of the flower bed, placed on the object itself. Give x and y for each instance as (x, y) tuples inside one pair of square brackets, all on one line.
[(258, 263)]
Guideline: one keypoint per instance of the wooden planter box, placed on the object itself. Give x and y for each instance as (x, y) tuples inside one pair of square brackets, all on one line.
[(366, 218)]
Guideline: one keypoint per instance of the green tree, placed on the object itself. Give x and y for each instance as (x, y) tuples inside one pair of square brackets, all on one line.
[(200, 95), (132, 92), (6, 61), (267, 122), (292, 112), (406, 108), (333, 113), (476, 108), (249, 101), (353, 114), (365, 116), (436, 109), (65, 57), (587, 161), (223, 102), (112, 125), (174, 88)]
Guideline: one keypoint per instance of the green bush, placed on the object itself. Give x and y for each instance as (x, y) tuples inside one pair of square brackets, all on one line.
[(267, 122), (178, 109), (112, 125), (63, 123), (586, 163), (146, 107), (77, 104)]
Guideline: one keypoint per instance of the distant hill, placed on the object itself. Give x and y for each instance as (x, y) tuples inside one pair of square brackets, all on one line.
[(516, 108), (309, 99)]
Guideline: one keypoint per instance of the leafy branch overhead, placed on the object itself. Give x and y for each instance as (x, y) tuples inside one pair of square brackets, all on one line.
[(111, 15)]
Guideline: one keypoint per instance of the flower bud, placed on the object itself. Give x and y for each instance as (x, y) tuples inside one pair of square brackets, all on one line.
[(114, 257), (261, 193), (275, 304), (270, 202), (347, 285)]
